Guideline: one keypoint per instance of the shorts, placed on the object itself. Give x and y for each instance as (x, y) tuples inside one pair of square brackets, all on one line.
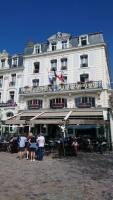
[(22, 149), (32, 149)]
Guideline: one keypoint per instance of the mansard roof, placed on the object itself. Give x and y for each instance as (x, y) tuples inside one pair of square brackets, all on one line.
[(93, 38)]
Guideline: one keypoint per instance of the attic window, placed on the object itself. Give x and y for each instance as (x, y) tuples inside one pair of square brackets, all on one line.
[(83, 40)]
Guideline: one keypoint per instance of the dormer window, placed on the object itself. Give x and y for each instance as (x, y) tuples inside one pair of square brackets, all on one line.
[(64, 44), (3, 63), (83, 40), (15, 62), (54, 46), (37, 49), (36, 67)]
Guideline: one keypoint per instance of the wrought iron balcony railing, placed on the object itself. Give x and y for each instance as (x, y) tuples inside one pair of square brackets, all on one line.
[(62, 87)]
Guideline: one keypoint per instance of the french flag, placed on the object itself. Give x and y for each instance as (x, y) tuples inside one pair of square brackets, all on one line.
[(50, 78), (59, 77)]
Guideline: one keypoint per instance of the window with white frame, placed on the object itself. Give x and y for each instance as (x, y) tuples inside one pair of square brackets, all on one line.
[(36, 67), (1, 81), (3, 63), (83, 40), (84, 78), (37, 49), (13, 77), (35, 82), (64, 44), (84, 100), (63, 63), (54, 44), (84, 61), (15, 62), (11, 95), (53, 65)]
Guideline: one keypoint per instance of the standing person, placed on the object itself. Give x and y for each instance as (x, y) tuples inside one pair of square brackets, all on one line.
[(41, 142), (32, 147), (22, 141), (28, 145), (75, 144)]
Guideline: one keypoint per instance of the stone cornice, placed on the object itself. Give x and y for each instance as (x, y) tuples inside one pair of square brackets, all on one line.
[(11, 69)]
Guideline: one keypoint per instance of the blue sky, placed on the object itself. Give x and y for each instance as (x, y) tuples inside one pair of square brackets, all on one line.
[(37, 20)]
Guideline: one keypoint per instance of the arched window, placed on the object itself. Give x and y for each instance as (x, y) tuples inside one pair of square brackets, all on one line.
[(58, 103), (9, 114), (85, 102)]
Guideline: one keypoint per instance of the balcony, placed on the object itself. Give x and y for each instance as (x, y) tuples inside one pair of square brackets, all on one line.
[(62, 87), (33, 106), (12, 83), (84, 105)]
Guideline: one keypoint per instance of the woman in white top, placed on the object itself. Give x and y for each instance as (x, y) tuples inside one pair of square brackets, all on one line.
[(75, 145)]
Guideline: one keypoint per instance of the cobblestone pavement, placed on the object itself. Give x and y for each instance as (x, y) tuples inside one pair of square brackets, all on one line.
[(89, 176)]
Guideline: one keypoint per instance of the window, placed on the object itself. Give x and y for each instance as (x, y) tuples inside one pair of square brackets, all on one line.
[(53, 46), (58, 102), (64, 44), (35, 103), (36, 67), (84, 61), (83, 40), (65, 79), (35, 82), (13, 77), (54, 81), (85, 100), (1, 81), (3, 63), (12, 95), (84, 78), (15, 62), (37, 49), (63, 63), (53, 65)]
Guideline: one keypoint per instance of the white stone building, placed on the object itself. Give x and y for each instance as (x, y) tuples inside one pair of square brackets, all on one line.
[(83, 96)]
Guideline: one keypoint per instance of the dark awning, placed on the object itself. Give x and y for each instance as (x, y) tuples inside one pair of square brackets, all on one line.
[(83, 126)]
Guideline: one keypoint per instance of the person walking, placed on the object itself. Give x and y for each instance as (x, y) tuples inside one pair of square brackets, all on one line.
[(41, 142)]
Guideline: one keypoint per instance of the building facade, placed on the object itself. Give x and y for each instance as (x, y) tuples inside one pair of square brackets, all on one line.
[(64, 81)]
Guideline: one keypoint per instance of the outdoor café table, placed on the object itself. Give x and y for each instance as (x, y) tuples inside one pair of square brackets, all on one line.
[(4, 146)]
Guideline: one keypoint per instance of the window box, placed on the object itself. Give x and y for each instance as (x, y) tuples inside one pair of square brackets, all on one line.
[(84, 64), (9, 100), (90, 81), (34, 86), (14, 65), (36, 70), (33, 105), (57, 104), (84, 105), (63, 67), (26, 87), (79, 82), (50, 85)]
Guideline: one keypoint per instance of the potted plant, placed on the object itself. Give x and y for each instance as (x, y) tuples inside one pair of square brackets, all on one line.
[(26, 87), (80, 103), (84, 64), (79, 82), (63, 67), (35, 86), (36, 70), (90, 81), (14, 65)]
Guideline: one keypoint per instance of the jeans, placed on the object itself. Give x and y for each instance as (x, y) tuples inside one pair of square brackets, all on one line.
[(41, 152)]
